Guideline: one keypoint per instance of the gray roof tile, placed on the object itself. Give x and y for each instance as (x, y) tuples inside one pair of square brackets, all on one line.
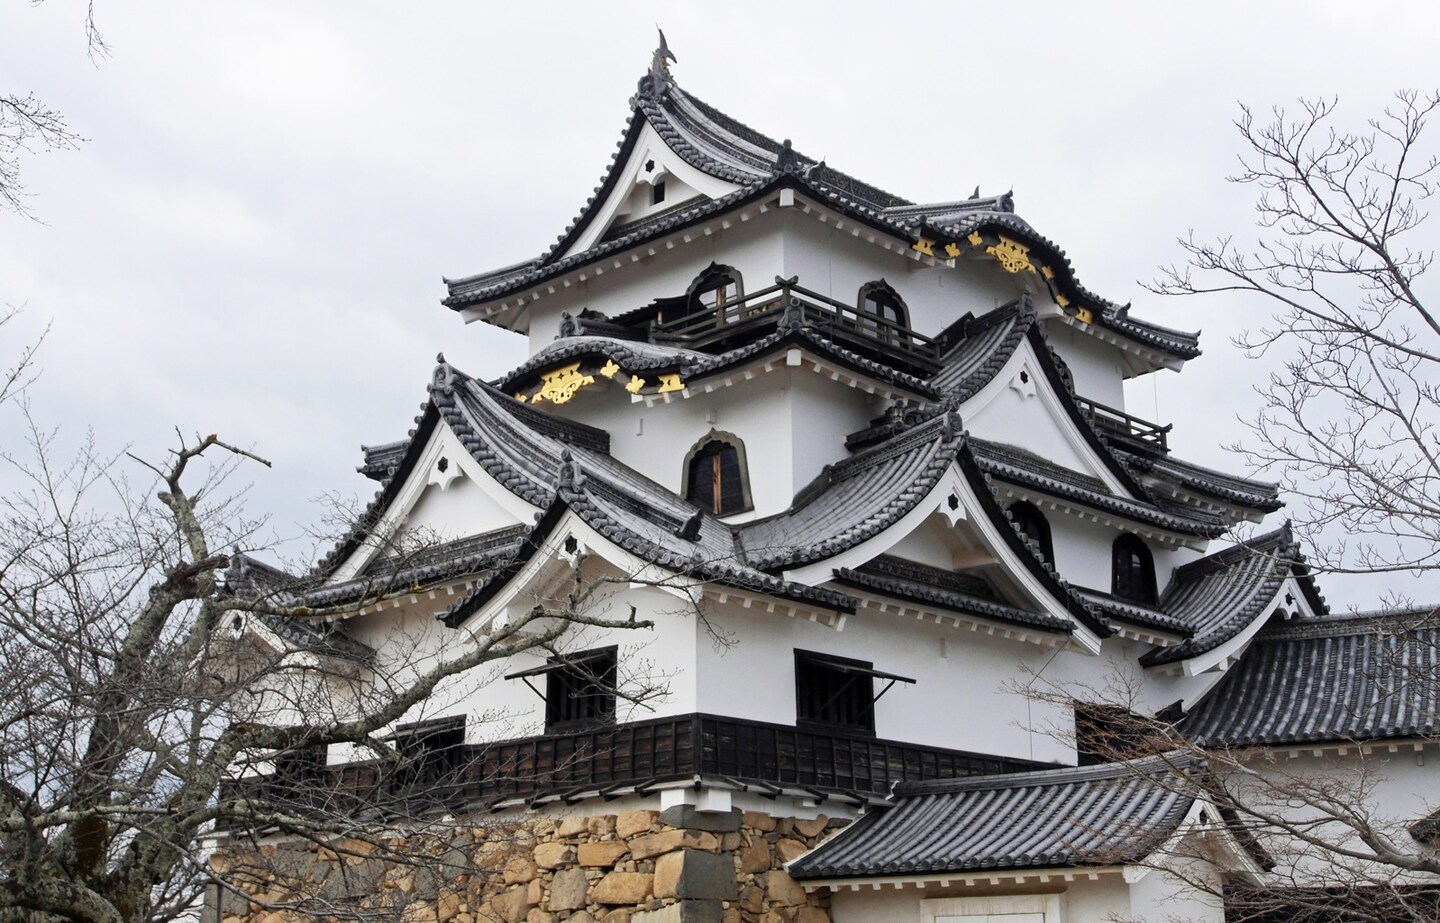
[(943, 589), (1338, 678), (1218, 596), (1108, 814)]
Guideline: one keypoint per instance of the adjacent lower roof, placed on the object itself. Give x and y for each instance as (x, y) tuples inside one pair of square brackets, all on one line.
[(1343, 678), (1110, 814), (1220, 595)]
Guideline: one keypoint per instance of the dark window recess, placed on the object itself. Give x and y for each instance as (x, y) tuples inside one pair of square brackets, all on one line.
[(882, 312), (837, 692), (1133, 571), (716, 287), (657, 193), (298, 774), (1107, 733), (429, 753), (580, 690), (715, 479), (1034, 526)]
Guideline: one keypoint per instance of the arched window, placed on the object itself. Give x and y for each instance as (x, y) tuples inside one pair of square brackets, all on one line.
[(881, 311), (1133, 571), (715, 476), (713, 289), (1033, 525)]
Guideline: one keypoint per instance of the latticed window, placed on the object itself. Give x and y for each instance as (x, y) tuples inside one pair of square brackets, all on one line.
[(580, 689), (715, 480), (430, 752), (834, 691), (1034, 526), (1133, 571), (882, 311)]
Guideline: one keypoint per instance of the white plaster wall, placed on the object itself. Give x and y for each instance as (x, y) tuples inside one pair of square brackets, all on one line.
[(1018, 413), (457, 510), (1116, 677), (1107, 899), (496, 708), (961, 699), (1094, 366), (793, 422), (752, 247), (836, 263), (1398, 787)]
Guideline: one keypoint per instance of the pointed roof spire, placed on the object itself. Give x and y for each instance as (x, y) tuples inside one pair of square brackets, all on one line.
[(660, 62)]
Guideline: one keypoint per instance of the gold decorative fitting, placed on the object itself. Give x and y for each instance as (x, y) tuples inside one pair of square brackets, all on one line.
[(925, 245), (952, 250), (1084, 316), (1047, 272), (635, 384), (609, 368), (1013, 256), (560, 385), (1062, 301), (520, 396), (670, 383), (975, 239)]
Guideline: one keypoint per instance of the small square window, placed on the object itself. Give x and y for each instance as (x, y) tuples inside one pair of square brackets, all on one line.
[(581, 693), (834, 692)]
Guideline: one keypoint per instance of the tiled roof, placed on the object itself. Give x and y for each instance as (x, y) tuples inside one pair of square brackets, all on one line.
[(1258, 495), (1218, 596), (1108, 814), (983, 347), (1135, 613), (721, 146), (855, 499), (382, 460), (1337, 678), (943, 589), (248, 577), (693, 366), (1018, 466)]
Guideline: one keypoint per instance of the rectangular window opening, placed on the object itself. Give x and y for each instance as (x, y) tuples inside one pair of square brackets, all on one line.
[(580, 689), (657, 193)]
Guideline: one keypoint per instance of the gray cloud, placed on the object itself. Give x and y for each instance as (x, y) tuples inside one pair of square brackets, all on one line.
[(252, 239)]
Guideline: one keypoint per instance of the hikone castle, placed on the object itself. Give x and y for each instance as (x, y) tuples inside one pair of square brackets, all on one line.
[(866, 463)]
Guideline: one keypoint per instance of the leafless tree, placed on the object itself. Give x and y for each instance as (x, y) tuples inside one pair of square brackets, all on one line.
[(1349, 418), (137, 707), (28, 125)]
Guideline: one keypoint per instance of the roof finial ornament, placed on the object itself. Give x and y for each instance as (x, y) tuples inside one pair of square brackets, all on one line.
[(660, 63), (976, 193), (787, 161)]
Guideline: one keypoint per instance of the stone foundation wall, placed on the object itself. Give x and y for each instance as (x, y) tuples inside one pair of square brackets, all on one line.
[(679, 866)]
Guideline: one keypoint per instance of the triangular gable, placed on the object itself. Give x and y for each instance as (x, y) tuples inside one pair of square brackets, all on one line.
[(629, 191), (446, 501), (1021, 406)]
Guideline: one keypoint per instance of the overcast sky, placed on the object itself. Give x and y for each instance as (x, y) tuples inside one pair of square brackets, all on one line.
[(252, 238)]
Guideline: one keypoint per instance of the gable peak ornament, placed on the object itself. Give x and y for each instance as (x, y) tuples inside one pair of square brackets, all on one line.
[(661, 60)]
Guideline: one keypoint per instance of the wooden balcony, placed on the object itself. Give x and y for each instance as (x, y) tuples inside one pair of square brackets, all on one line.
[(756, 314), (770, 758), (1133, 431)]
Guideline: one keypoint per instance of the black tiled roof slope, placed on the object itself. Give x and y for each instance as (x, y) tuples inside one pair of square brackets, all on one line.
[(721, 146), (1219, 595), (1109, 814), (1334, 679)]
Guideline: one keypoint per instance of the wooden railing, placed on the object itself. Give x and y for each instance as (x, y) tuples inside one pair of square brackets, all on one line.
[(758, 313), (637, 754), (1128, 428)]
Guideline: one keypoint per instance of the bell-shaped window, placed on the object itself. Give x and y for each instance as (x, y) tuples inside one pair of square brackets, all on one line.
[(882, 313), (1033, 525), (715, 477), (1133, 571), (715, 288)]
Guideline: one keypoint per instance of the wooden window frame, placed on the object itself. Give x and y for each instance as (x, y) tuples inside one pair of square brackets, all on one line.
[(746, 501)]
